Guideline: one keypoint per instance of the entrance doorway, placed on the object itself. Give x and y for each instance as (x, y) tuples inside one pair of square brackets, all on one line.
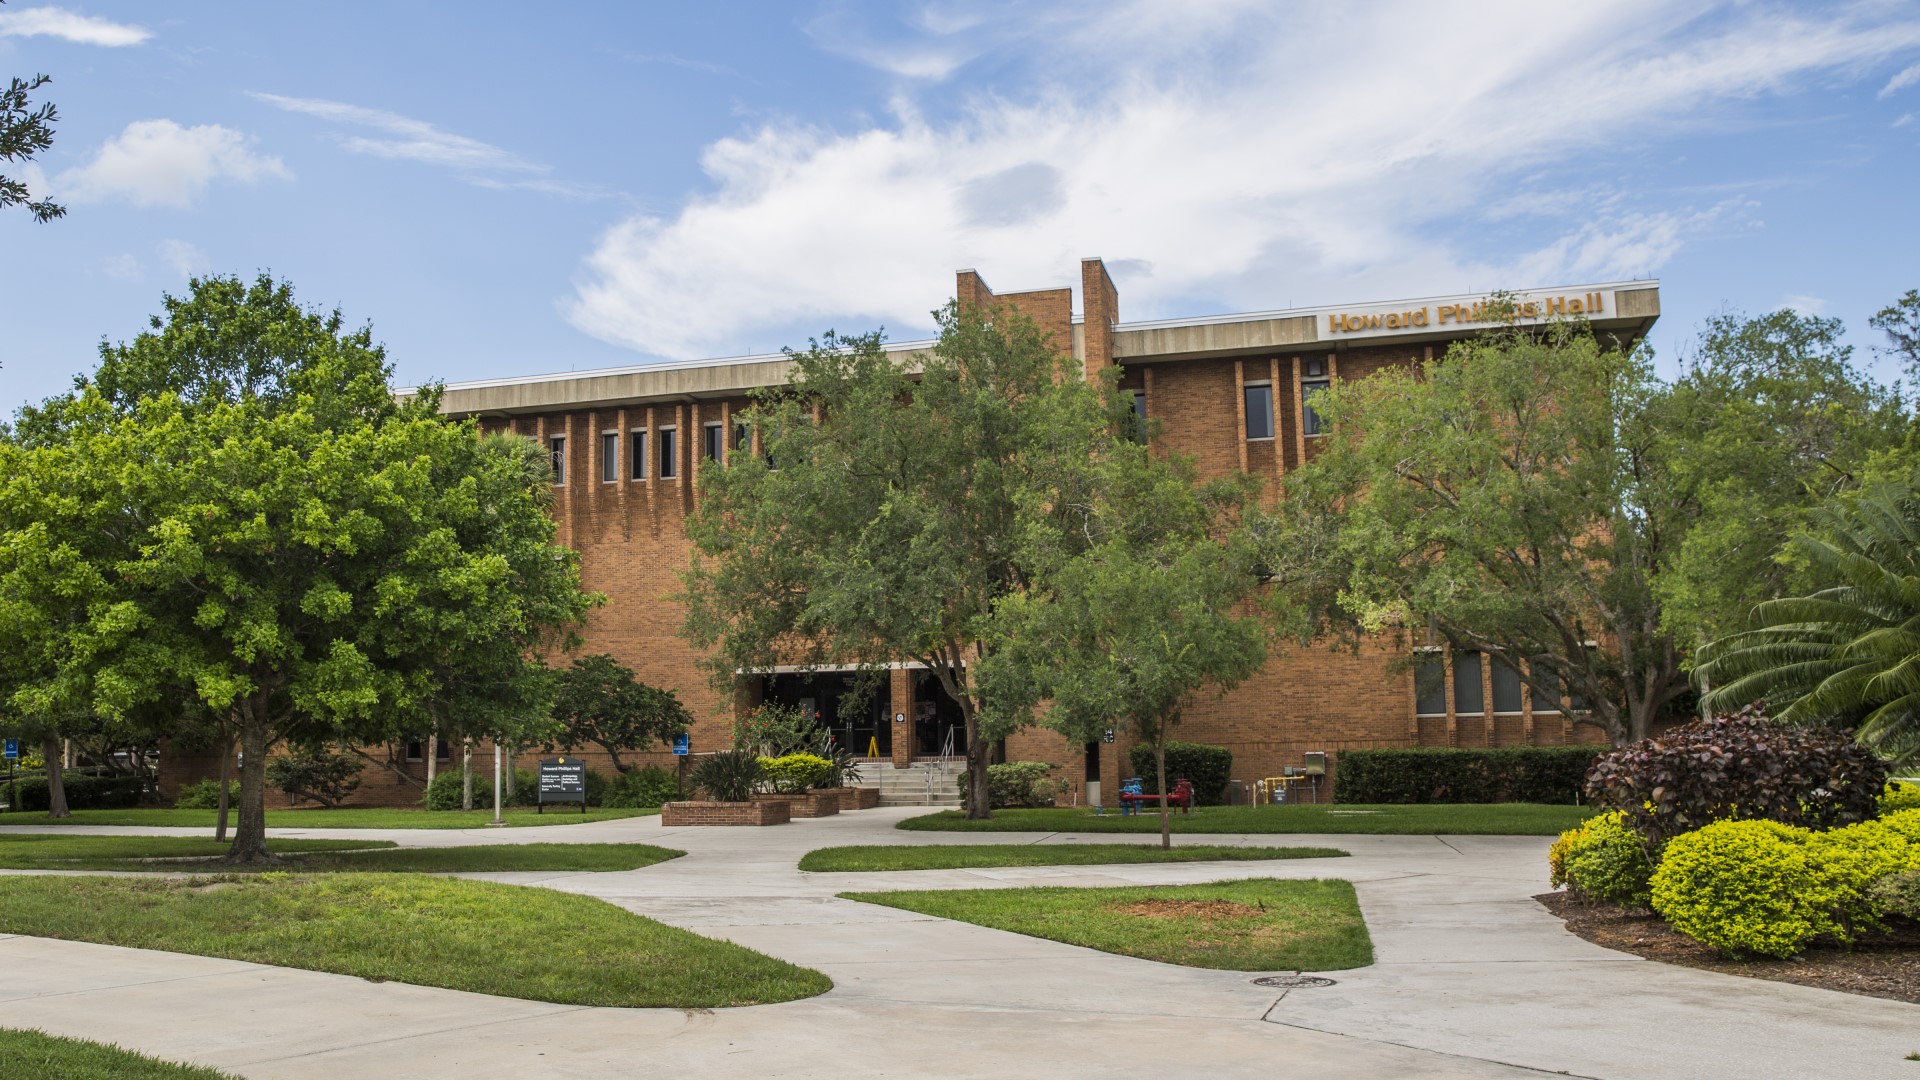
[(834, 701), (936, 719)]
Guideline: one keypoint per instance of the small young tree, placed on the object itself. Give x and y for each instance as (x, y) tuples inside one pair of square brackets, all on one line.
[(1126, 632), (599, 701)]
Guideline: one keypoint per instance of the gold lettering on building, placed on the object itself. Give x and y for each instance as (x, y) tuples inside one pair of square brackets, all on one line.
[(1466, 313)]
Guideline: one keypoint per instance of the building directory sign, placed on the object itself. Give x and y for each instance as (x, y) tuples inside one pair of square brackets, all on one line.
[(563, 780)]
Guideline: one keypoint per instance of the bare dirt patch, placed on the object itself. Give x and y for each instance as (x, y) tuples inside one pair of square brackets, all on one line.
[(1203, 910), (1883, 966)]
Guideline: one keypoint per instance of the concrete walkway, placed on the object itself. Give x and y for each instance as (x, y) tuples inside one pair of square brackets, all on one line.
[(1472, 979)]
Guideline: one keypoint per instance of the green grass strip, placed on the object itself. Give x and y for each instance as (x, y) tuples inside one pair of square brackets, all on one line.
[(348, 817), (481, 936), (1452, 819), (868, 857), (26, 1053), (181, 854), (44, 851), (1255, 925)]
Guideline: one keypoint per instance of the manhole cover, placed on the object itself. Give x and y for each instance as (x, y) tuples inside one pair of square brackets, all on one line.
[(1292, 982)]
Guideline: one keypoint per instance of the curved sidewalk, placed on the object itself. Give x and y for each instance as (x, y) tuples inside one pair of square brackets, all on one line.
[(1472, 979)]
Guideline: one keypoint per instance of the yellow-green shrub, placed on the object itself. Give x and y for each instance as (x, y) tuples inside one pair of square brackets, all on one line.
[(1602, 859), (793, 774), (1742, 887), (1900, 795), (1848, 861)]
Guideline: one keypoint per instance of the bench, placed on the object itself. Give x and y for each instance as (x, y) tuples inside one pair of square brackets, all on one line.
[(1133, 801)]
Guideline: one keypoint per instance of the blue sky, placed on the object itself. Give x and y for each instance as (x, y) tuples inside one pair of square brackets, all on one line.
[(507, 189)]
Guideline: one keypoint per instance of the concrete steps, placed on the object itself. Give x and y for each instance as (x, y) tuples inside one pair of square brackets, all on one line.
[(923, 783)]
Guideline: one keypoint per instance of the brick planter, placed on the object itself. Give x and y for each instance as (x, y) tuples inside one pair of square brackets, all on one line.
[(725, 813), (854, 798), (810, 804)]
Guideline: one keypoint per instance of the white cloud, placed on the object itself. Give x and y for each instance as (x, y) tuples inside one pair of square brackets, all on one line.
[(124, 267), (1220, 151), (183, 258), (1901, 81), (70, 26), (1805, 305), (160, 163), (408, 139)]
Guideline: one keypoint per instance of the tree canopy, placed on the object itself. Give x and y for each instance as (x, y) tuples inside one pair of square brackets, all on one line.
[(598, 701), (25, 130), (894, 510), (235, 507)]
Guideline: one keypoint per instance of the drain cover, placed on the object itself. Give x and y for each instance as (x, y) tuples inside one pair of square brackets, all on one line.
[(1292, 982)]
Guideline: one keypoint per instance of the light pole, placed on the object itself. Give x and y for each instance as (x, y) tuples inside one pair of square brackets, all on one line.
[(497, 821)]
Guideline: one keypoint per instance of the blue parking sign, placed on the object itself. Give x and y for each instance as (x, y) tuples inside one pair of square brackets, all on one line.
[(13, 749), (682, 744)]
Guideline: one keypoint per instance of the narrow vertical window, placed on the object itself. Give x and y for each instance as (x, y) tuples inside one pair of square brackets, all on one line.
[(1259, 410), (1310, 420), (609, 456), (713, 438), (557, 455), (1140, 417), (1506, 688), (637, 454), (742, 438), (1469, 697), (669, 467), (1430, 683)]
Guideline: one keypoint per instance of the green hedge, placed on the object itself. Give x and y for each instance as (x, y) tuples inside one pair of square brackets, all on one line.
[(84, 792), (1208, 768), (1531, 774)]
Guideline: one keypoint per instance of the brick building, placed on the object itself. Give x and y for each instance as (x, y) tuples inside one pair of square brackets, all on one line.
[(1227, 390)]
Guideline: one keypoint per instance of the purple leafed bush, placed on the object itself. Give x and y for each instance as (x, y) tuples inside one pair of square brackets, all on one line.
[(1739, 767)]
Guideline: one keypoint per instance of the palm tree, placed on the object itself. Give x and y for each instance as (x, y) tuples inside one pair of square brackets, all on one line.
[(1848, 653)]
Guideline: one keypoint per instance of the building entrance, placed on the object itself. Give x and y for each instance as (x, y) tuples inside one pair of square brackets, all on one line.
[(936, 718), (854, 716)]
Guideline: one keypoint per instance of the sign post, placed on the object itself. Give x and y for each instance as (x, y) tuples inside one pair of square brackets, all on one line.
[(13, 782), (563, 780)]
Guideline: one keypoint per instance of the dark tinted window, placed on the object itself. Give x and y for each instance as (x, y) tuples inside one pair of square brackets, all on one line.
[(1429, 684), (1310, 420), (1469, 696), (1506, 688), (1259, 412)]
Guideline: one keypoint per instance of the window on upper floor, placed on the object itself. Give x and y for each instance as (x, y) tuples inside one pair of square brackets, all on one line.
[(1139, 398), (609, 456), (713, 440), (669, 456), (637, 454), (1310, 422), (1259, 410), (557, 457)]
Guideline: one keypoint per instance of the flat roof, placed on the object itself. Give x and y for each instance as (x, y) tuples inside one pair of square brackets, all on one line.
[(1624, 308)]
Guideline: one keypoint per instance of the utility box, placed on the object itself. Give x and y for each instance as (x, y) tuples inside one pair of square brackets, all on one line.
[(1316, 763)]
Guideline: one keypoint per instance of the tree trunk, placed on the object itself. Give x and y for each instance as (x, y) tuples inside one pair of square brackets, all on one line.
[(226, 784), (56, 778), (466, 774), (250, 835), (978, 755), (433, 756), (1160, 763)]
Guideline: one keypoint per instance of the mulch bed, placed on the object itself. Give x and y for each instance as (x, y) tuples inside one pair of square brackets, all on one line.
[(1883, 966)]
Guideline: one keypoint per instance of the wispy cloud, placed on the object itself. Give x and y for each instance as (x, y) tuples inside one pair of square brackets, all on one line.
[(688, 63), (1900, 82), (1224, 151), (183, 258), (69, 26), (406, 139), (161, 163)]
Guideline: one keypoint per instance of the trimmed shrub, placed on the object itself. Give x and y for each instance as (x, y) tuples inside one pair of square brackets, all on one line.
[(728, 776), (648, 787), (444, 792), (1906, 823), (1743, 887), (1017, 784), (1897, 894), (1900, 795), (1532, 774), (1848, 862), (1207, 768), (1603, 860), (85, 791), (1736, 768), (319, 774), (793, 774), (205, 795)]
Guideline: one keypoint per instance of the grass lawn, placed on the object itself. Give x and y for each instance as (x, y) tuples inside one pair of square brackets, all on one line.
[(1256, 925), (962, 856), (1477, 819), (34, 1054), (40, 851), (481, 936), (348, 817)]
